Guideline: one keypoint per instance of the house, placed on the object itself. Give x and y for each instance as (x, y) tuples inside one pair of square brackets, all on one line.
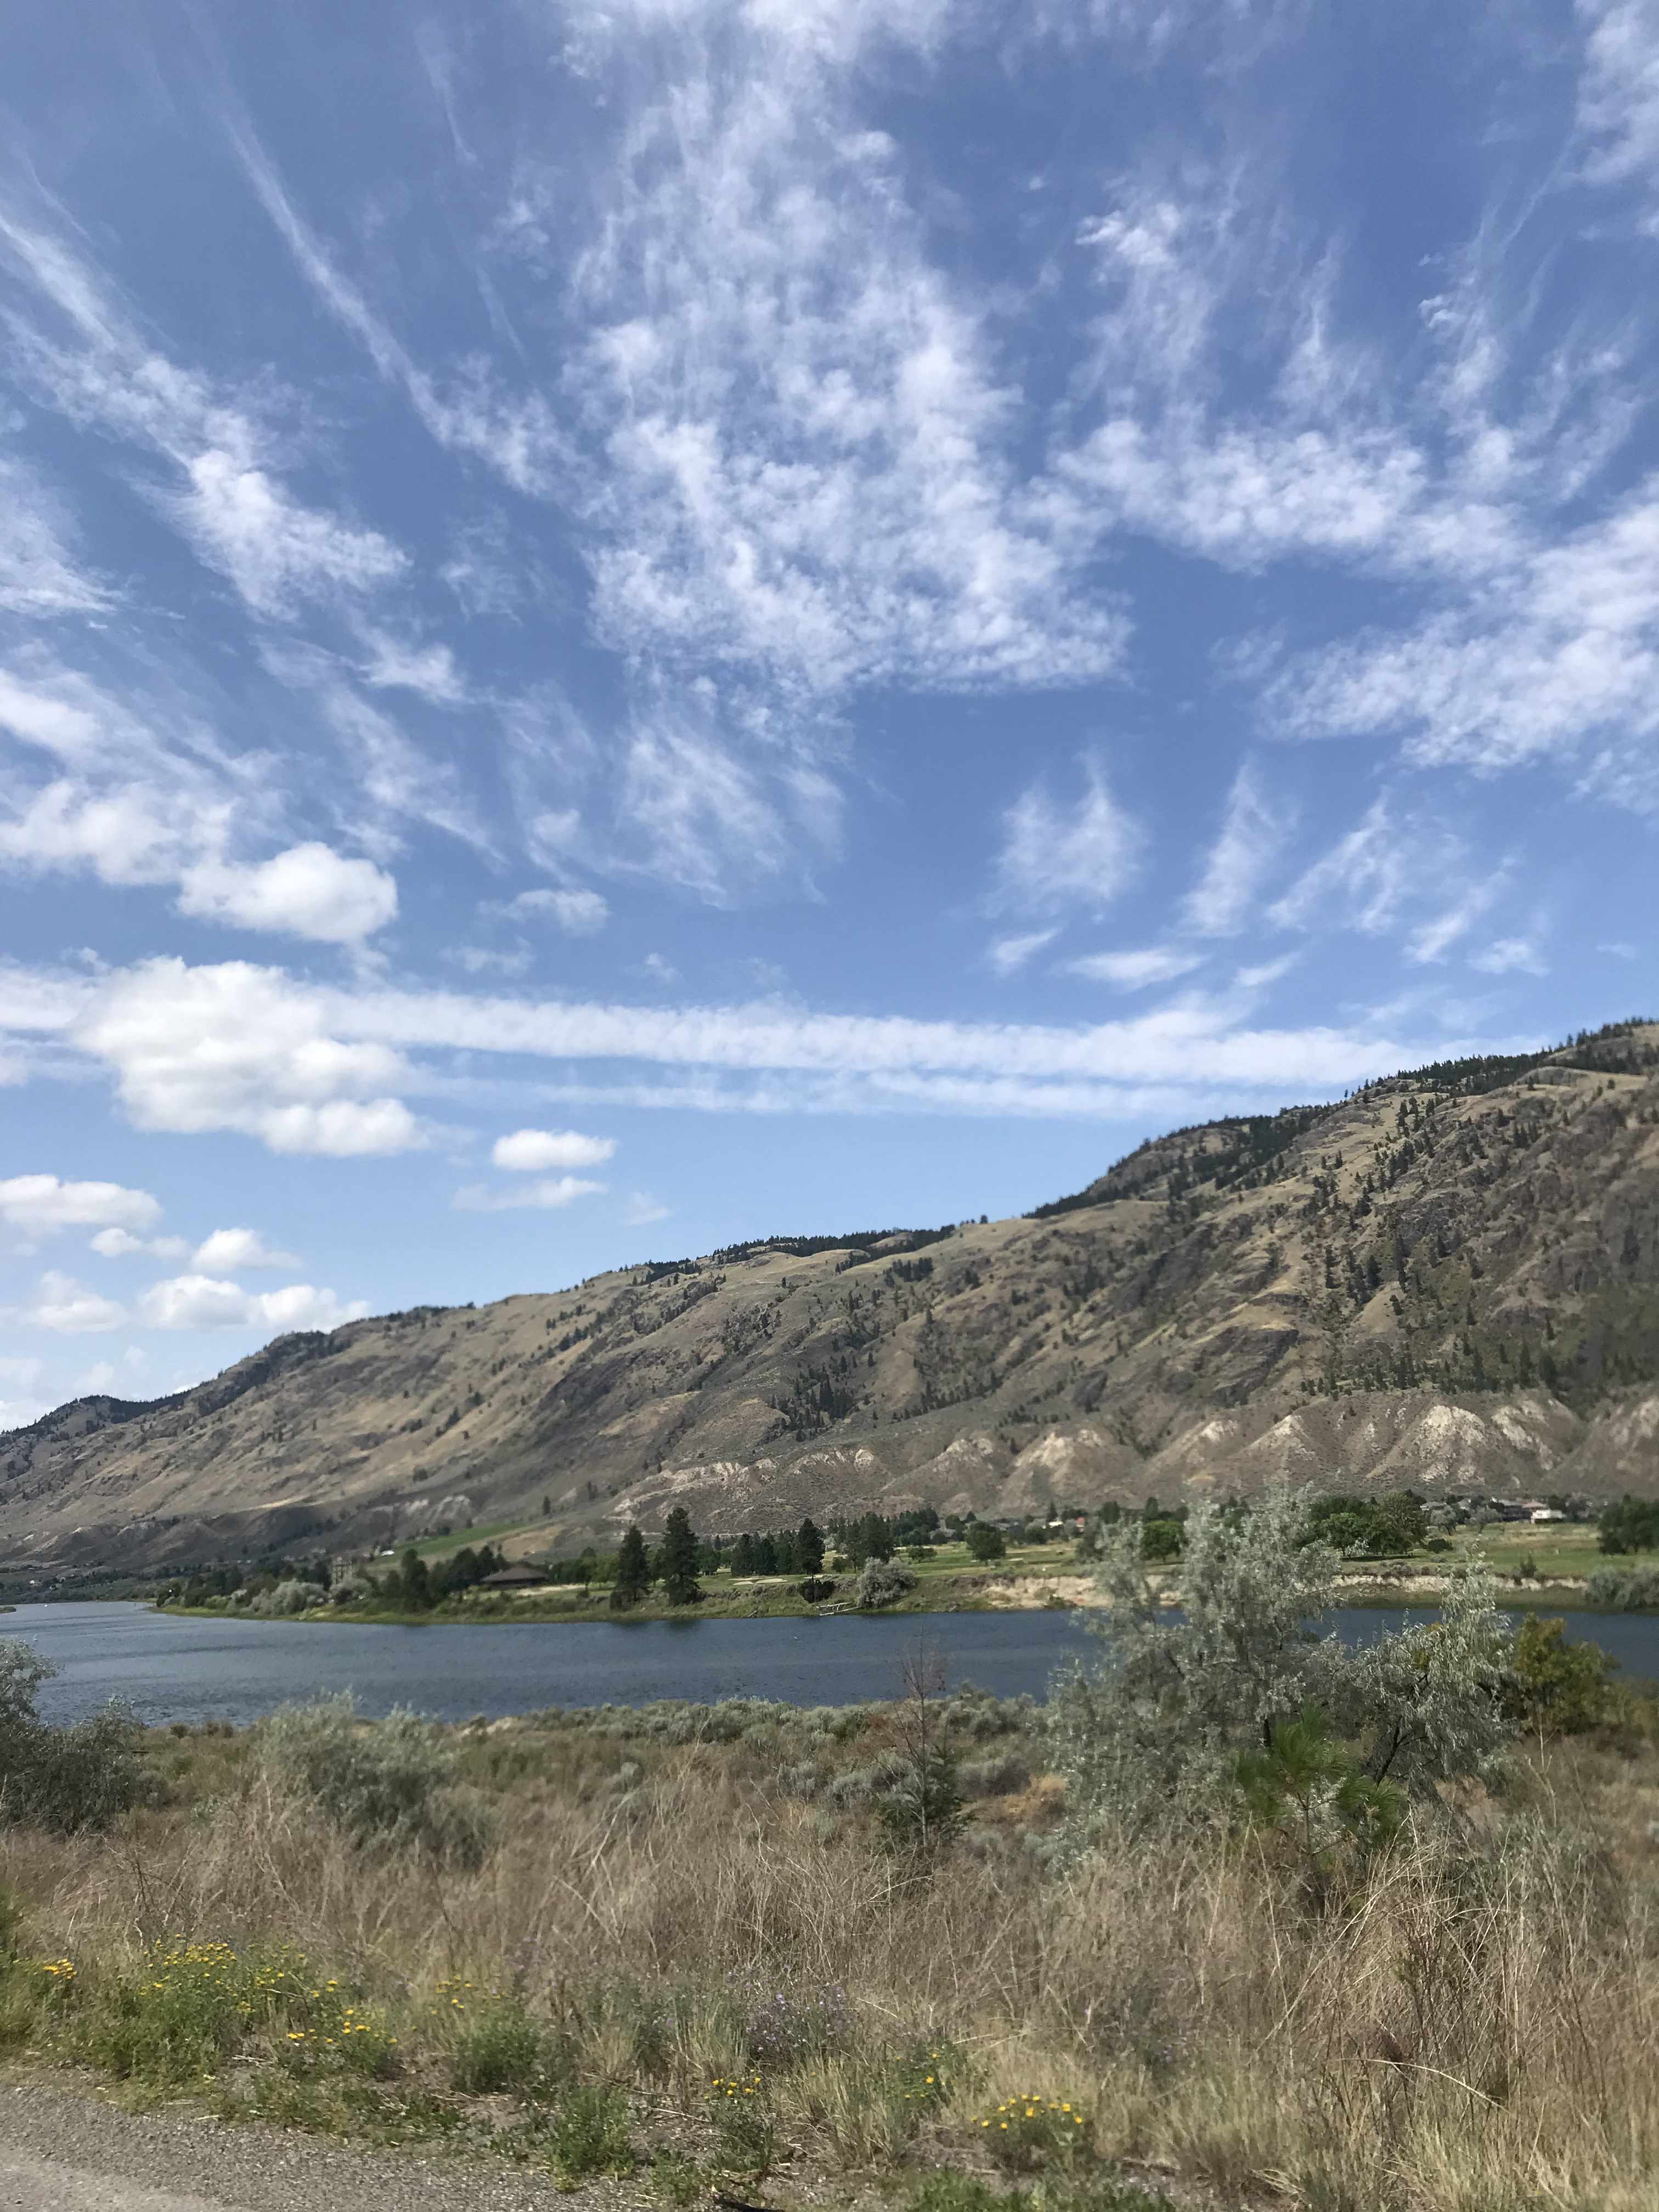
[(513, 1578), (1546, 1513)]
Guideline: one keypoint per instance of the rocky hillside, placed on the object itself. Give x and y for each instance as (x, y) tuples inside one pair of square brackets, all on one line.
[(1450, 1279)]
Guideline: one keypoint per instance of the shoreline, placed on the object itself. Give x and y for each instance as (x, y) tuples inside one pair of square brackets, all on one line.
[(1412, 1591)]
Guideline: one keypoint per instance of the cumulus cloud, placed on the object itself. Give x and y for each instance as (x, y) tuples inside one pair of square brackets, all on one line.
[(142, 802), (552, 1191), (121, 1244), (229, 1248), (70, 1309), (38, 1205), (643, 1210), (310, 891), (1057, 855), (536, 1151), (237, 1046), (204, 1302)]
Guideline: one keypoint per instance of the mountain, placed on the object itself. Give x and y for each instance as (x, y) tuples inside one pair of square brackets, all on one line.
[(1449, 1278)]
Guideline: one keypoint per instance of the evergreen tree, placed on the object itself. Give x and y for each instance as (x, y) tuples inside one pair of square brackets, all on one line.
[(415, 1588), (766, 1556), (633, 1571), (679, 1559), (808, 1549), (743, 1555)]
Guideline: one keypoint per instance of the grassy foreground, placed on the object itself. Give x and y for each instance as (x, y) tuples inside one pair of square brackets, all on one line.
[(681, 1949)]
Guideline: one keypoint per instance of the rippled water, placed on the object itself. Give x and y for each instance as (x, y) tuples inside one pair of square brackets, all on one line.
[(195, 1670)]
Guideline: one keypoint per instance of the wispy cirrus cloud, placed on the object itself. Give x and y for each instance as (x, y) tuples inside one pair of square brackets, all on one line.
[(1253, 834), (304, 1068), (1136, 970), (1058, 855)]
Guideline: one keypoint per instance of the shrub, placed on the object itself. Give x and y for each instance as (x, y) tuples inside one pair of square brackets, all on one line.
[(816, 1588), (1000, 1776), (1156, 1733), (882, 1582), (286, 1599), (496, 2047), (788, 2021), (64, 1778), (1559, 1688), (588, 2134), (1625, 1589), (389, 1781), (745, 2135), (186, 2008), (986, 1543), (1026, 2134)]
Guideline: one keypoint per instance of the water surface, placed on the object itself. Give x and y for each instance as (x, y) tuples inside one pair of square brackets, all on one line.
[(225, 1670)]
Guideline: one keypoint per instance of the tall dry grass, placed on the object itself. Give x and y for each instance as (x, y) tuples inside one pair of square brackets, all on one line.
[(1469, 2021)]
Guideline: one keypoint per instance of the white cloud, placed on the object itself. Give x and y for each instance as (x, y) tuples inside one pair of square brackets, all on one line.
[(1007, 954), (229, 1248), (1134, 971), (1252, 837), (120, 1245), (478, 1198), (428, 671), (1557, 658), (579, 914), (1055, 855), (71, 1308), (643, 1209), (310, 891), (223, 496), (1374, 878), (533, 1151), (38, 575), (488, 960), (1433, 939), (204, 1302), (274, 550), (40, 1205), (1509, 956), (142, 804), (1263, 972), (236, 1047), (1618, 109)]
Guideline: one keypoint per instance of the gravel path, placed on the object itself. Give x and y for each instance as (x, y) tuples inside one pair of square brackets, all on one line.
[(61, 2152)]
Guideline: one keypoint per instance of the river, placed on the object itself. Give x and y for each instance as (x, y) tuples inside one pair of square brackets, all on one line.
[(181, 1669)]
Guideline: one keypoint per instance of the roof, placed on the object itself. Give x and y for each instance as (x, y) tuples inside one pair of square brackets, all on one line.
[(513, 1578)]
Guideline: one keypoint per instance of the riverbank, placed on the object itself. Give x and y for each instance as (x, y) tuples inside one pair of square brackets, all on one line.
[(971, 1591), (656, 1954)]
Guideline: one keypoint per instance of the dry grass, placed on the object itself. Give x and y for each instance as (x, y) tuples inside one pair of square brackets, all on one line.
[(1468, 2023)]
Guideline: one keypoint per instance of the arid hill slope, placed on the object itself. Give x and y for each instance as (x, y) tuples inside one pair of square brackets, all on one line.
[(1451, 1279)]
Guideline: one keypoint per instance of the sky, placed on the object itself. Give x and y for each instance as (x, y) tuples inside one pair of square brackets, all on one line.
[(633, 624)]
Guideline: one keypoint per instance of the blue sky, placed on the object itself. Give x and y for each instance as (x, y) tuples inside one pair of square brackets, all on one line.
[(630, 623)]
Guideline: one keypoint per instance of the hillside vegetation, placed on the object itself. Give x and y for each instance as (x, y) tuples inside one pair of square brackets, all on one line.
[(1450, 1280)]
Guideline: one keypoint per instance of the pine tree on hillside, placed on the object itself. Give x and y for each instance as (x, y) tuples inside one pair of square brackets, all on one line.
[(808, 1548), (633, 1571), (679, 1559)]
